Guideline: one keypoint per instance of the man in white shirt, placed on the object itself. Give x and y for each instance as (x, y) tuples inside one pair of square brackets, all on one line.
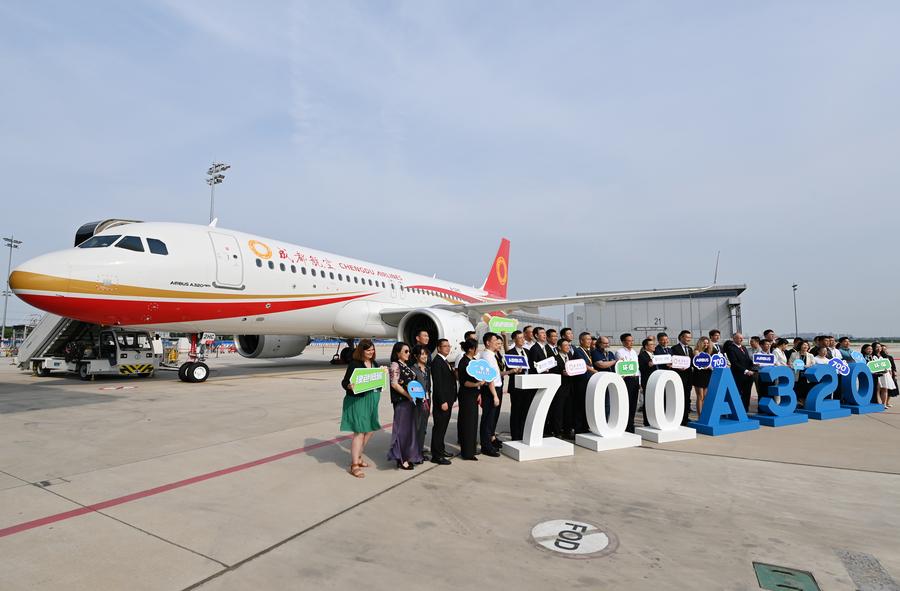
[(633, 383), (490, 395)]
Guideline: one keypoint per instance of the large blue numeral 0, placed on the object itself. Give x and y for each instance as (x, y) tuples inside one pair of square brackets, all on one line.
[(825, 381), (857, 388), (777, 381), (723, 411)]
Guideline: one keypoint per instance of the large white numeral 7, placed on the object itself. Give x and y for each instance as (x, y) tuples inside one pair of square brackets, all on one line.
[(534, 446)]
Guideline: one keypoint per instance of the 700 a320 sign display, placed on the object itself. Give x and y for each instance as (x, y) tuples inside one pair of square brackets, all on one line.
[(723, 412)]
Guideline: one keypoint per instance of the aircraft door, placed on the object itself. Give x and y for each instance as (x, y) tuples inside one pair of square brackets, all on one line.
[(229, 263)]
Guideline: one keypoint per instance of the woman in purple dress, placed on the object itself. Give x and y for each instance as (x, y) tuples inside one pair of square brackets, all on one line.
[(404, 445)]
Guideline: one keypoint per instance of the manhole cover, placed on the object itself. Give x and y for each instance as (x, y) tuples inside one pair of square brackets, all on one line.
[(574, 539), (784, 578)]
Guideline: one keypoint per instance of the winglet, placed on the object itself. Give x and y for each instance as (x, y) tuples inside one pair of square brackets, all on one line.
[(498, 276)]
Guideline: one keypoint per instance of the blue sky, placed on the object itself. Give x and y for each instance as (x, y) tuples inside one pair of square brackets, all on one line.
[(618, 145)]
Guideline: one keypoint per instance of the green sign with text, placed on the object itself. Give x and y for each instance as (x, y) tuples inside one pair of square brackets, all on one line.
[(502, 324), (366, 379), (877, 365), (627, 368)]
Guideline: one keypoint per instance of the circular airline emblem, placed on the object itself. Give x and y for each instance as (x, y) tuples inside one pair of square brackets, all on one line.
[(574, 539), (260, 249), (501, 270)]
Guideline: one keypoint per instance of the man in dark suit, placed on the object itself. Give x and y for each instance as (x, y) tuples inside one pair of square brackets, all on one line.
[(741, 367), (684, 348), (519, 399), (540, 350), (663, 348), (443, 397)]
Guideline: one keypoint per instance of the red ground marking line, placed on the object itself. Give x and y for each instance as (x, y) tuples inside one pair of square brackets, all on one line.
[(14, 529)]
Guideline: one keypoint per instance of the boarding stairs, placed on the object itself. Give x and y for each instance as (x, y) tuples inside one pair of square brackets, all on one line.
[(49, 338)]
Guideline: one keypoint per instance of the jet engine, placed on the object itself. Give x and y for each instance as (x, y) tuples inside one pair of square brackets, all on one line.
[(270, 346), (440, 324)]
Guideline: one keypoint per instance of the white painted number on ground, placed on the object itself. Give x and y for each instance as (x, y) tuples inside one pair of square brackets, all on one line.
[(570, 537)]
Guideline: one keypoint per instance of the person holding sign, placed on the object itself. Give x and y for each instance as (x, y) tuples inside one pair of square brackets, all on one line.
[(799, 360), (632, 383), (404, 446), (779, 351), (519, 399), (885, 379), (443, 398), (557, 420), (700, 376), (579, 385), (490, 396), (360, 410), (467, 419), (646, 367), (419, 365)]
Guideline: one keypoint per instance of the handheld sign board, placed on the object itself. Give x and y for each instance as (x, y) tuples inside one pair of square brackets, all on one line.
[(500, 324), (764, 359), (366, 379), (681, 362), (662, 359), (516, 361), (840, 366), (415, 389), (718, 361), (481, 370), (857, 357), (799, 364), (877, 365), (702, 360), (626, 368), (576, 367), (545, 365)]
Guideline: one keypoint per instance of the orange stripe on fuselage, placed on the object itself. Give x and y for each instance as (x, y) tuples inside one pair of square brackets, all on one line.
[(25, 280)]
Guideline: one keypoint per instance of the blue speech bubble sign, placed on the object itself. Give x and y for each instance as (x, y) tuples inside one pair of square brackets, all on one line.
[(415, 389), (840, 366), (857, 357), (702, 360), (799, 364), (481, 370), (778, 381), (723, 411), (718, 361)]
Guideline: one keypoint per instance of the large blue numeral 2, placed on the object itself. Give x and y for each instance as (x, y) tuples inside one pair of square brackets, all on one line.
[(825, 381)]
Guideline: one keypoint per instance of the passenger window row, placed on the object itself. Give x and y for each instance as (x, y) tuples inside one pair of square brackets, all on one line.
[(133, 243), (325, 274)]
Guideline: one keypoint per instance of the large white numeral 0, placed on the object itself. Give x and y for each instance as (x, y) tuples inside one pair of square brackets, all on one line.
[(606, 435), (665, 404), (535, 446)]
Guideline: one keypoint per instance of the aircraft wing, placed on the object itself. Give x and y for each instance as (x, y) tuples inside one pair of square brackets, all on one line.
[(394, 315)]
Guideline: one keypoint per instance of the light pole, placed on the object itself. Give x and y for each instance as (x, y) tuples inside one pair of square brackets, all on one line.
[(215, 177), (796, 329), (11, 243)]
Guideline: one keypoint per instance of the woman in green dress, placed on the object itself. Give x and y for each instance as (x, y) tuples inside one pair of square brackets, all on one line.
[(360, 413)]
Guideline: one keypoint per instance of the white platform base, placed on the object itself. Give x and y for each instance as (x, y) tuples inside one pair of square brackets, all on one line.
[(658, 436), (550, 447), (597, 443)]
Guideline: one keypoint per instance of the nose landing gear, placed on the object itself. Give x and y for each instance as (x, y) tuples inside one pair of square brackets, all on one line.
[(194, 370)]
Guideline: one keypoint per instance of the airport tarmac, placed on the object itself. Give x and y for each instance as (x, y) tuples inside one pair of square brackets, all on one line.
[(241, 482)]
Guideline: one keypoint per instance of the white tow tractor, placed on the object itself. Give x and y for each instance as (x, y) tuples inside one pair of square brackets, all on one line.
[(104, 351)]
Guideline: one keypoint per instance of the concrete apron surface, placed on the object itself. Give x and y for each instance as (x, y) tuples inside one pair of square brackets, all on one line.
[(241, 483)]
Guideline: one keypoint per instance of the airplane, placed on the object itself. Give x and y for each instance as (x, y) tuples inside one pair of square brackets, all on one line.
[(274, 296)]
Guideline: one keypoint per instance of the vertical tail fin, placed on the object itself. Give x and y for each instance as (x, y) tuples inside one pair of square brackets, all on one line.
[(498, 276)]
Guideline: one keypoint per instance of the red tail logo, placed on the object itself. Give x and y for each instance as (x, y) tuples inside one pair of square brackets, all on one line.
[(498, 277)]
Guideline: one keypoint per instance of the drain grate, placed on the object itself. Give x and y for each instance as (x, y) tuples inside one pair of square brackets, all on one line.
[(784, 578)]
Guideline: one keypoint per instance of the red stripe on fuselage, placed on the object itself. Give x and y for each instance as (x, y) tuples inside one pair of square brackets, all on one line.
[(136, 312), (449, 293)]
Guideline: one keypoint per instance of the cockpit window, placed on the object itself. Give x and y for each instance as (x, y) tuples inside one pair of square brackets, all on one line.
[(99, 241), (157, 246), (131, 243)]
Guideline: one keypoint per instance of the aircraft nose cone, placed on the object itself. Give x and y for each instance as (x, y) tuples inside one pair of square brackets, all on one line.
[(39, 281)]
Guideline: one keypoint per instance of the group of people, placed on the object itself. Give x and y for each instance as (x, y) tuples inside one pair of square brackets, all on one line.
[(447, 383)]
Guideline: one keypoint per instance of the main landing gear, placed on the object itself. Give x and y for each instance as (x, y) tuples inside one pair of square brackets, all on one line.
[(194, 370)]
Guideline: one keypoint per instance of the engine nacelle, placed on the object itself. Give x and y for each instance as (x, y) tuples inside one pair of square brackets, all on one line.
[(440, 324), (255, 346)]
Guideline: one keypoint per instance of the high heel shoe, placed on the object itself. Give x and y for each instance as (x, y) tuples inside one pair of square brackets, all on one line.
[(408, 466)]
